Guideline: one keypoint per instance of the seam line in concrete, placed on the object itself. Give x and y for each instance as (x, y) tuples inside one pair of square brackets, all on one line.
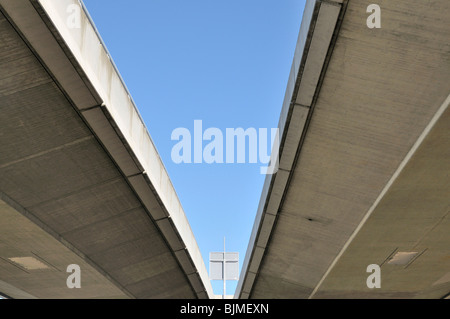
[(394, 177), (54, 149)]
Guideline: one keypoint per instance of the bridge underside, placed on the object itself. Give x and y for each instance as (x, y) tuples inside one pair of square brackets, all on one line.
[(66, 197), (370, 181)]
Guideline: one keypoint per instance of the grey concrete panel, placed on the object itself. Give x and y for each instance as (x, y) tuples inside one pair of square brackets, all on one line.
[(87, 206), (381, 90), (51, 116), (72, 194), (297, 114), (248, 284), (23, 13), (116, 230), (19, 237), (272, 288), (280, 181), (294, 133), (142, 188), (98, 121), (39, 179), (136, 250), (196, 282), (160, 287), (411, 217), (170, 234), (185, 261), (92, 63), (323, 31), (156, 266), (257, 256), (301, 49), (265, 230)]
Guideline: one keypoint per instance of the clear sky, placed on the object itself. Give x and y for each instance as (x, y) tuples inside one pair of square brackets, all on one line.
[(225, 62)]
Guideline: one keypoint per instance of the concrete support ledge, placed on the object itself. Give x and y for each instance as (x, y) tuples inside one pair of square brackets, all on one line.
[(81, 65), (316, 32)]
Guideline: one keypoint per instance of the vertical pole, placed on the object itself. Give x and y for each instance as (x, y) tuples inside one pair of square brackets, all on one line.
[(224, 263)]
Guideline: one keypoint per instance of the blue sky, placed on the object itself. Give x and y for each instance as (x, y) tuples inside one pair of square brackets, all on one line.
[(225, 62)]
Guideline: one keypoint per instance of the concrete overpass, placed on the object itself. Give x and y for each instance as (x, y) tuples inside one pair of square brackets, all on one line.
[(80, 179), (363, 179), (365, 159)]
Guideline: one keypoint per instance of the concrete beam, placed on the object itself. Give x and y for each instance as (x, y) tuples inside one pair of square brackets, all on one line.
[(316, 32), (370, 171), (82, 66)]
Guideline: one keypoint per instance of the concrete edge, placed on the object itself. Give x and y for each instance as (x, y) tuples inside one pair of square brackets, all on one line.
[(90, 79), (318, 25), (444, 106)]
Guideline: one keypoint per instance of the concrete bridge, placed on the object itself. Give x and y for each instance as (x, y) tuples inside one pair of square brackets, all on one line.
[(80, 179), (363, 179), (364, 173)]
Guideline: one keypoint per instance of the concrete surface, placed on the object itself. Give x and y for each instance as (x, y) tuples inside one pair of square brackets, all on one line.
[(77, 158), (364, 164), (366, 173)]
